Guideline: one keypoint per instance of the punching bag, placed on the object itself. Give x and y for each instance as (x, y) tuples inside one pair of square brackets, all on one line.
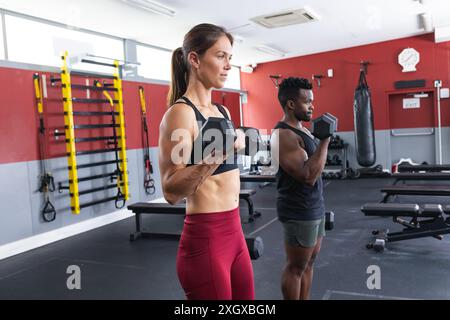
[(364, 129)]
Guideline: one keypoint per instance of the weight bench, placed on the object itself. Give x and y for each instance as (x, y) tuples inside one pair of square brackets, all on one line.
[(423, 167), (255, 245), (425, 221), (420, 176), (264, 179), (179, 209), (246, 195), (415, 190)]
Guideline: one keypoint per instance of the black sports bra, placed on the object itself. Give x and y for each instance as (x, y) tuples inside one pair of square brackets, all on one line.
[(224, 167)]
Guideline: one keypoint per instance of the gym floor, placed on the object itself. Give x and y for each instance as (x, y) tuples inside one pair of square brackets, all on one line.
[(112, 267)]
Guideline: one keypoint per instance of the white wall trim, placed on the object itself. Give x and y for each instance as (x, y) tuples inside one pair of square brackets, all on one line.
[(33, 242)]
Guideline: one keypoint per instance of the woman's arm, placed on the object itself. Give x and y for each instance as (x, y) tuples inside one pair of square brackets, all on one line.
[(176, 136)]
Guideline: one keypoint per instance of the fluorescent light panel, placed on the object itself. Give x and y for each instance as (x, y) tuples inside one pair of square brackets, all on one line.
[(151, 6), (270, 50)]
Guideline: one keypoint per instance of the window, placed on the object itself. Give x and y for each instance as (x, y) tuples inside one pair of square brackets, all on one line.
[(234, 79), (154, 63), (40, 43)]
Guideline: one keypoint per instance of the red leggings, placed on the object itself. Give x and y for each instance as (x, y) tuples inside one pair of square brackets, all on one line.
[(213, 261)]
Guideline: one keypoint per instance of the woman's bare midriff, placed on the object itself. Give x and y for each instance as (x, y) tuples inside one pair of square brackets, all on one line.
[(217, 193)]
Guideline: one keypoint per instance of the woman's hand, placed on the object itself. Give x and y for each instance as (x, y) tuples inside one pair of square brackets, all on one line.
[(239, 143)]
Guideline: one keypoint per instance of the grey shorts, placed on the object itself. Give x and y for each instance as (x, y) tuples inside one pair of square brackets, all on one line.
[(303, 232)]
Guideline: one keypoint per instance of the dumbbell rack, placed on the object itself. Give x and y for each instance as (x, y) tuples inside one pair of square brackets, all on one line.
[(341, 168), (119, 139)]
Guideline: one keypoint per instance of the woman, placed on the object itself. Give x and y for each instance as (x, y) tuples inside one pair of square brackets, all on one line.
[(213, 260)]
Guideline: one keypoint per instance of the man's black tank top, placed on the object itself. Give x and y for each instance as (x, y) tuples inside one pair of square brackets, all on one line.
[(296, 200), (224, 167)]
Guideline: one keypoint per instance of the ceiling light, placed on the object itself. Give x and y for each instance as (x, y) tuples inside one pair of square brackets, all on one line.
[(151, 6), (270, 50)]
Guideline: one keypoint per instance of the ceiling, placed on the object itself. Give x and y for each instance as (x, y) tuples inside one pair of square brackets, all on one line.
[(342, 24)]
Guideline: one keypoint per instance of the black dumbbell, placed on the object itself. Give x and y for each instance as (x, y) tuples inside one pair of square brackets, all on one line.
[(336, 160), (253, 141), (324, 126), (216, 134), (329, 220), (329, 161), (255, 247)]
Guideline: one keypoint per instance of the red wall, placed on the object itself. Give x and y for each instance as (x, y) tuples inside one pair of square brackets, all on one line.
[(19, 117), (336, 94)]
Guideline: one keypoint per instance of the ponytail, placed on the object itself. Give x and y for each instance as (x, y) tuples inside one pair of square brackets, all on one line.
[(178, 85)]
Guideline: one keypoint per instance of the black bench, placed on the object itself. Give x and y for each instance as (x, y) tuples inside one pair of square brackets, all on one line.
[(254, 244), (245, 194), (421, 176), (423, 167), (415, 190), (265, 180), (426, 221), (179, 209)]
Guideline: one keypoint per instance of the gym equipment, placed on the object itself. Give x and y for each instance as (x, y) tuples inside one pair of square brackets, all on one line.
[(334, 119), (253, 141), (149, 183), (420, 176), (257, 178), (47, 183), (426, 221), (336, 142), (264, 179), (373, 172), (152, 208), (336, 160), (414, 190), (329, 220), (324, 126), (206, 139), (423, 167), (255, 245), (117, 174), (352, 173), (121, 172), (338, 147), (246, 195), (364, 127)]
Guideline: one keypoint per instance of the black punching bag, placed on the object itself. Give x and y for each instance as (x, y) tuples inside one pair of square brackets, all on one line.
[(364, 129)]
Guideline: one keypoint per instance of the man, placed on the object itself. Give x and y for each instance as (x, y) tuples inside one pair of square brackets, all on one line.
[(300, 202)]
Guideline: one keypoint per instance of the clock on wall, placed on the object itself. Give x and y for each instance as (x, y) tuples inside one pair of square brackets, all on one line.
[(408, 59)]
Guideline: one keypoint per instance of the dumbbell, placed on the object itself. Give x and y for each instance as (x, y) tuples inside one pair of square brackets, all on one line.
[(208, 139), (336, 160), (253, 141), (255, 247), (324, 126), (329, 220)]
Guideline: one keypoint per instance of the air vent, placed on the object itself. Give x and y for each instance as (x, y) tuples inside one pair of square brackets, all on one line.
[(285, 18)]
